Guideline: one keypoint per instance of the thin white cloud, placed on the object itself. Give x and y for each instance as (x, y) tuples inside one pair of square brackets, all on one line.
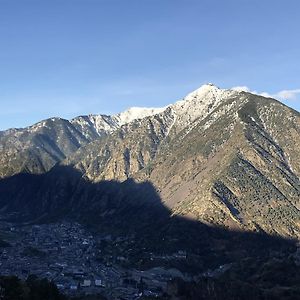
[(242, 88), (288, 94), (281, 95), (267, 95)]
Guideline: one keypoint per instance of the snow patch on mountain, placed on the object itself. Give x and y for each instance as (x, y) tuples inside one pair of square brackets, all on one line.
[(96, 123), (101, 124), (136, 113)]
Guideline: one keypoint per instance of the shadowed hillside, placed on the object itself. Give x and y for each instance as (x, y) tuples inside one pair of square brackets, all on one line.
[(134, 208)]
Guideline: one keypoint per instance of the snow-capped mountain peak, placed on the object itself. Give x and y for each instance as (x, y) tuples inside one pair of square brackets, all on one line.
[(199, 103), (207, 92), (97, 125), (196, 104), (136, 113)]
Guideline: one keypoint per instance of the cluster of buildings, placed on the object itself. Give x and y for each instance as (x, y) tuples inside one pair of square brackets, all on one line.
[(72, 257)]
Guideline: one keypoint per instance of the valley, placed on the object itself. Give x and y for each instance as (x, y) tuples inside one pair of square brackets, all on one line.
[(75, 261)]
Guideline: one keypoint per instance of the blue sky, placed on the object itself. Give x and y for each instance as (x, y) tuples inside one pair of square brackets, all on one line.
[(72, 57)]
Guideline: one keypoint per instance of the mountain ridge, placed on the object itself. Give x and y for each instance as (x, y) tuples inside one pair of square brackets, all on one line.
[(221, 157), (50, 141)]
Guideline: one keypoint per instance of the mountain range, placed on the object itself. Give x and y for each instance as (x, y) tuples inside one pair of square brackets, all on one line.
[(208, 185), (39, 147), (221, 157)]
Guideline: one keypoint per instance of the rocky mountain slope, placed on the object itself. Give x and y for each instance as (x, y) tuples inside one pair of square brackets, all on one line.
[(219, 157), (208, 185), (39, 147)]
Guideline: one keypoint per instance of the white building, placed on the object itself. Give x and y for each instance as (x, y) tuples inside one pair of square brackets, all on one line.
[(86, 283)]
